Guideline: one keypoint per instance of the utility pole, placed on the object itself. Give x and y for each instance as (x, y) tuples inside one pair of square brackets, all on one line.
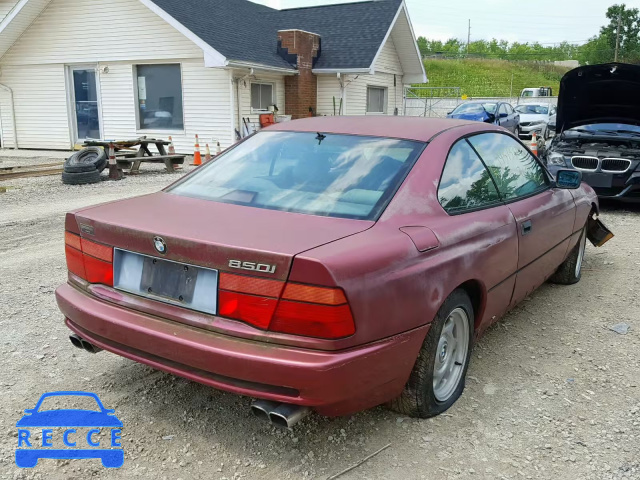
[(618, 36), (469, 37)]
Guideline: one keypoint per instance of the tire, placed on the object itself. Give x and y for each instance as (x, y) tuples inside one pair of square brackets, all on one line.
[(420, 397), (545, 135), (570, 271), (86, 160), (82, 178), (516, 132)]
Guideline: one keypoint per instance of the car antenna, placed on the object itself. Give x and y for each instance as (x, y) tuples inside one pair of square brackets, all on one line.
[(320, 137)]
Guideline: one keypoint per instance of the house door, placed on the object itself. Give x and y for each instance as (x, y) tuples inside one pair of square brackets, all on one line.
[(85, 103)]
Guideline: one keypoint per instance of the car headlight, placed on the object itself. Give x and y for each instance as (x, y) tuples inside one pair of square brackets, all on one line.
[(537, 122), (556, 159)]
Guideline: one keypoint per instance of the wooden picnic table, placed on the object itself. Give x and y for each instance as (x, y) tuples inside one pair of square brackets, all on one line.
[(128, 157)]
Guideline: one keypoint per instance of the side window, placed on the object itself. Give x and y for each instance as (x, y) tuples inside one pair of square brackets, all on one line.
[(503, 108), (465, 183), (516, 172), (509, 109)]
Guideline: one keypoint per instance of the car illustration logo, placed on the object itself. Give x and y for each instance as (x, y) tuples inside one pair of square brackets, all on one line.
[(81, 430), (160, 244)]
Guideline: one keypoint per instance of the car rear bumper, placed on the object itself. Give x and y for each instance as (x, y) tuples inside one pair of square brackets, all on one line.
[(333, 383), (527, 131)]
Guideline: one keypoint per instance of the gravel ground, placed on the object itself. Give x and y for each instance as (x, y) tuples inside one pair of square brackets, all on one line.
[(551, 393)]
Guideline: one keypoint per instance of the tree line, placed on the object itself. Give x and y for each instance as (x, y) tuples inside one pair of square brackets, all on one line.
[(599, 49)]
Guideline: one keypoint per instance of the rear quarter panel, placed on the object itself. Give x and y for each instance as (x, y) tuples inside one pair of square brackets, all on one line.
[(390, 285)]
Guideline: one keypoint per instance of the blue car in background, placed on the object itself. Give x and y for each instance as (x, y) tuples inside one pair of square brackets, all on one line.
[(29, 451), (498, 113)]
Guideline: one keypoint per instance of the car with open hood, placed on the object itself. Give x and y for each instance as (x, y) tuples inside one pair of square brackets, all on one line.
[(598, 129), (497, 113), (330, 263)]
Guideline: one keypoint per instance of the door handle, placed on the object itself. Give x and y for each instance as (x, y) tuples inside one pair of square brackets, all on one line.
[(526, 227)]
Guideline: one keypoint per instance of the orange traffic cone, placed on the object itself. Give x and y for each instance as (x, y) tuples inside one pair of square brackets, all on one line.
[(218, 149), (534, 144), (207, 154), (197, 158), (114, 172), (172, 149)]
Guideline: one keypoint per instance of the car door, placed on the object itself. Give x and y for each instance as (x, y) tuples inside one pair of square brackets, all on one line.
[(514, 118), (503, 116), (544, 215), (480, 230)]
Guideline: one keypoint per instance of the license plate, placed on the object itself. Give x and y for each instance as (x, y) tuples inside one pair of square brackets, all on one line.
[(173, 281), (189, 286), (598, 180)]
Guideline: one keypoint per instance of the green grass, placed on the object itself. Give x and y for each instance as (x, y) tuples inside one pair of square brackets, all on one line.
[(492, 78)]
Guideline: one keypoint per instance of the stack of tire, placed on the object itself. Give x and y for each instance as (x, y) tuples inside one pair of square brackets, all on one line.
[(84, 166)]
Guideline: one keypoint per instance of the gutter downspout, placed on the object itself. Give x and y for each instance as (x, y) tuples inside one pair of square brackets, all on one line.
[(237, 81), (13, 116)]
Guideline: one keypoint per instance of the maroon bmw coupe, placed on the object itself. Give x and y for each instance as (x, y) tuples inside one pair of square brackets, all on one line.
[(329, 264)]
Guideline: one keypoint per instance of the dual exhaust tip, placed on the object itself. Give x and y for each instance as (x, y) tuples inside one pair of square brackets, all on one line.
[(283, 415), (82, 344)]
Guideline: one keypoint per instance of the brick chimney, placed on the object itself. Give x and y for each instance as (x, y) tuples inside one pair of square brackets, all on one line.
[(302, 50)]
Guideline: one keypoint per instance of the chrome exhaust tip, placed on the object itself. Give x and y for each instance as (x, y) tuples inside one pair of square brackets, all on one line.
[(76, 341), (262, 408), (287, 415)]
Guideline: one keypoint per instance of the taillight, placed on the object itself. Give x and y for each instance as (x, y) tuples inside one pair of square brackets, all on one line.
[(314, 312), (287, 308), (89, 260)]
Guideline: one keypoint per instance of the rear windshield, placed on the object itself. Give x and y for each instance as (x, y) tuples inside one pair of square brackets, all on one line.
[(320, 174), (532, 109), (476, 108)]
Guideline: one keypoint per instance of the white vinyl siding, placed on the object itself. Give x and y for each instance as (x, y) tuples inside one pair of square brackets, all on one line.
[(388, 60), (357, 93), (40, 102), (245, 95), (91, 31), (328, 89), (22, 19), (67, 33), (207, 105), (5, 7)]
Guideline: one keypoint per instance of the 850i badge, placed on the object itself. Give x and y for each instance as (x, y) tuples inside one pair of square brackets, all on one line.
[(252, 266)]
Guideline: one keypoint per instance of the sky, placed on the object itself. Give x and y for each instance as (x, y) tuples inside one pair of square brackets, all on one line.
[(513, 20)]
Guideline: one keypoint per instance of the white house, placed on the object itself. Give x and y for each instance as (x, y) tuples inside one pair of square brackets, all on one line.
[(117, 69)]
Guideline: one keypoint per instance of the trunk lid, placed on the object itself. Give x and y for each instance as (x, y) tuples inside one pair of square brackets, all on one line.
[(211, 234), (608, 93)]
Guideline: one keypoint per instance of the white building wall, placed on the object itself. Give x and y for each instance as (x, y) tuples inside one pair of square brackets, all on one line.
[(387, 69), (66, 34), (40, 103), (328, 88), (388, 60), (206, 96), (83, 31), (357, 92), (245, 95), (5, 7)]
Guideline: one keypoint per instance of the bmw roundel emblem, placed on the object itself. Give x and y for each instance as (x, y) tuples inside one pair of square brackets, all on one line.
[(160, 244)]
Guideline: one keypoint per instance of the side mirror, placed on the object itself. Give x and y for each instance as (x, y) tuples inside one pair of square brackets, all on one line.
[(504, 115), (568, 179)]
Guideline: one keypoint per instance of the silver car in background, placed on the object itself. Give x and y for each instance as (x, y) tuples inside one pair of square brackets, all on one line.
[(535, 117)]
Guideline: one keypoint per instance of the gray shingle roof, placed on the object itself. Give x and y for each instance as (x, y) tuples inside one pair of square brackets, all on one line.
[(243, 31)]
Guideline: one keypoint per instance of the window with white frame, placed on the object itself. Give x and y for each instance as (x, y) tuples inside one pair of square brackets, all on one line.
[(159, 89), (376, 100), (261, 96)]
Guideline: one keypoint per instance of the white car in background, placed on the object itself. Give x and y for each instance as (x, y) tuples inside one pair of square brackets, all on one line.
[(535, 117)]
